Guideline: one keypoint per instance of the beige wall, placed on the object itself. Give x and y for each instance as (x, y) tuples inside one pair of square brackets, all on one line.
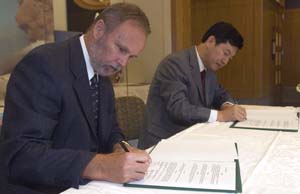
[(60, 16), (159, 41)]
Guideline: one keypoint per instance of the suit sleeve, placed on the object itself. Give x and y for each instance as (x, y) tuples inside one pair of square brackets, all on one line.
[(32, 111), (174, 77), (221, 96), (174, 81)]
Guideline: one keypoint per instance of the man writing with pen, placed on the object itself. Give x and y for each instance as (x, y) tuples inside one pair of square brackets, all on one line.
[(59, 126), (185, 89)]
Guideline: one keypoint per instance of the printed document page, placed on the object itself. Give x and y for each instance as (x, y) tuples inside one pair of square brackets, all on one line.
[(271, 119), (192, 164), (191, 174)]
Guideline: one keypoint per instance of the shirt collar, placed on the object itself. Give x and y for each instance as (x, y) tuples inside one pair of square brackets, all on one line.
[(89, 67), (201, 65)]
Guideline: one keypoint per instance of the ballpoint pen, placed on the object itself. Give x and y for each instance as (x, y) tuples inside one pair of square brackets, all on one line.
[(123, 145), (152, 148)]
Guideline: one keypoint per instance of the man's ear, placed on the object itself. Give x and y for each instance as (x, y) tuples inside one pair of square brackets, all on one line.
[(211, 41), (99, 29)]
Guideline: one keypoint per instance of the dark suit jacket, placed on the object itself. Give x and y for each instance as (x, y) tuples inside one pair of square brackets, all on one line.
[(48, 136), (176, 100)]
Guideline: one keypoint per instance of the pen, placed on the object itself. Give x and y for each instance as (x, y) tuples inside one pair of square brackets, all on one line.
[(236, 147), (123, 145), (152, 148)]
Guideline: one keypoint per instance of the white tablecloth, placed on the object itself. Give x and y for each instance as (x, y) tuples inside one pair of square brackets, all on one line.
[(269, 161)]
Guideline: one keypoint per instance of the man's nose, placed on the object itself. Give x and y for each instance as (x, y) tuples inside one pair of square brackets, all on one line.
[(123, 60), (225, 60)]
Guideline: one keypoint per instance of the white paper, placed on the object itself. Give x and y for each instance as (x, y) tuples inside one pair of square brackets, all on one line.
[(191, 174), (206, 163), (283, 119), (202, 149)]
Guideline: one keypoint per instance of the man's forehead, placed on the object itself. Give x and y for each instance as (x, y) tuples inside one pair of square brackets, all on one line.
[(131, 37), (233, 49)]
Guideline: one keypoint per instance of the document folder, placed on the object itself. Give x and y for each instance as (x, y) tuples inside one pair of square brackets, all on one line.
[(238, 184), (275, 119), (192, 174), (241, 126)]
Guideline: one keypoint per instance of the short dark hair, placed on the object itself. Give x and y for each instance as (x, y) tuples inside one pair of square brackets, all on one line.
[(224, 32), (118, 13)]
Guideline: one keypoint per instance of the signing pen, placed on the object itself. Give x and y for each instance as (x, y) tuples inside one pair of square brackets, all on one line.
[(123, 145)]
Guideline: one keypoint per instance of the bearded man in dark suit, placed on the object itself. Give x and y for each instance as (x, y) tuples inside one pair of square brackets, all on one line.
[(55, 133)]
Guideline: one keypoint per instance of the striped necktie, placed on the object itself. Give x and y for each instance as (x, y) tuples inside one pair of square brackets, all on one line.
[(95, 98)]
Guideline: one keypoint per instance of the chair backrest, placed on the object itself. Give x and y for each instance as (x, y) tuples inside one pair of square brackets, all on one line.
[(130, 115)]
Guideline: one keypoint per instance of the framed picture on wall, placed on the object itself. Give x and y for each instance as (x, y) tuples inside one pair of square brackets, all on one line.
[(25, 25), (81, 13)]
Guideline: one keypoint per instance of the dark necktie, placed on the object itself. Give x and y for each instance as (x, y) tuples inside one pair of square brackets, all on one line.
[(95, 98), (203, 74)]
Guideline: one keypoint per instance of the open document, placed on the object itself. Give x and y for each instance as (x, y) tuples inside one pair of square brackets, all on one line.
[(274, 119), (193, 165)]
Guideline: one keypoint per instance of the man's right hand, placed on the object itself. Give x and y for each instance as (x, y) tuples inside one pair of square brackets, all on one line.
[(118, 167), (232, 113)]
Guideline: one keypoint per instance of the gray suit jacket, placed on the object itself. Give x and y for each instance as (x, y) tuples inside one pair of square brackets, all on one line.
[(176, 100)]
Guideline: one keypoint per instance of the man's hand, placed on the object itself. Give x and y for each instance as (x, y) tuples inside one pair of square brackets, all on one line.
[(118, 147), (232, 113), (118, 167)]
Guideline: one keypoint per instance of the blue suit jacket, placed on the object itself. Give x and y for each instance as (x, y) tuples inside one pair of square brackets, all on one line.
[(48, 136), (176, 100)]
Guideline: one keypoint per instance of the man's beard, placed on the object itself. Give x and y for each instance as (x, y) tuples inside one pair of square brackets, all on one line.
[(107, 70), (99, 66)]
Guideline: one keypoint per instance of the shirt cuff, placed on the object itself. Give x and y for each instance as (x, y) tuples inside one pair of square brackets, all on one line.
[(230, 103), (213, 116)]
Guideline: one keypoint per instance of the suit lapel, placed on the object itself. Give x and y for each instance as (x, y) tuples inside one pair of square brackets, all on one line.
[(195, 70), (81, 83)]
